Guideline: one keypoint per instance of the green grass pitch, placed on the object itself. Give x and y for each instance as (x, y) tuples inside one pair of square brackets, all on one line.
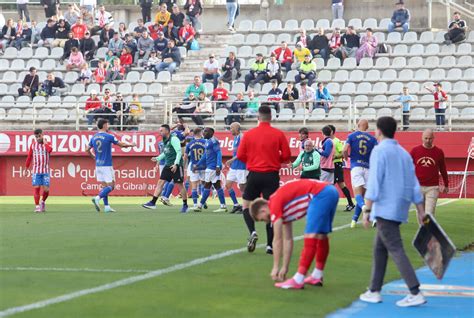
[(71, 235)]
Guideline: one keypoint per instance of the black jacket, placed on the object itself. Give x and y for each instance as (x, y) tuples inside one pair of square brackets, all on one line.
[(4, 31), (106, 36), (319, 42), (193, 10), (178, 19), (146, 3), (173, 53), (31, 82), (226, 67), (48, 33), (69, 45), (86, 45), (294, 94)]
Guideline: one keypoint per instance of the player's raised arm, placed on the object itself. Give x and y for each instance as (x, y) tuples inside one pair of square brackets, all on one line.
[(122, 144)]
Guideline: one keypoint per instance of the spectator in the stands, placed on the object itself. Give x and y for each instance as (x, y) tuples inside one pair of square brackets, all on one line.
[(405, 99), (109, 59), (62, 31), (87, 17), (153, 30), (368, 46), (284, 56), (50, 7), (144, 47), (122, 31), (79, 29), (35, 32), (335, 41), (220, 95), (274, 96), (196, 87), (102, 18), (273, 70), (337, 7), (400, 18), (232, 7), (203, 109), (106, 35), (70, 43), (186, 34), (126, 59), (257, 72), (76, 59), (72, 14), (211, 70), (170, 58), (187, 107), (85, 76), (306, 96), (107, 99), (18, 30), (171, 32), (320, 45), (152, 62), (231, 68), (169, 4), (22, 9), (116, 44), (25, 37), (100, 73), (299, 53), (237, 108), (52, 86), (8, 35), (457, 30), (350, 42), (290, 95), (193, 10), (252, 104), (306, 71), (440, 99), (146, 6), (30, 84), (121, 109), (48, 33), (139, 29), (116, 72), (303, 38), (160, 43), (323, 97), (131, 43), (135, 111), (177, 16), (162, 16), (93, 103), (87, 46)]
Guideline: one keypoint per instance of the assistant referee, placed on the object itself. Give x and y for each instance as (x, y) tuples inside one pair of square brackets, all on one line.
[(263, 149)]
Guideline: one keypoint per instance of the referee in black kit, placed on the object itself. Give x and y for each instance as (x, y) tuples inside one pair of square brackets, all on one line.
[(263, 149)]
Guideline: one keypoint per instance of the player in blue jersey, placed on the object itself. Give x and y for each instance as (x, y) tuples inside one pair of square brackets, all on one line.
[(102, 142), (358, 147), (237, 173), (193, 154), (212, 159)]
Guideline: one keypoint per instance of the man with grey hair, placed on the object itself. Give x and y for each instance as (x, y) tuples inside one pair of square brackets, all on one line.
[(309, 160), (144, 47)]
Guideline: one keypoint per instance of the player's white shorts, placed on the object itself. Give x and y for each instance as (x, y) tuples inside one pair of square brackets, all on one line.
[(327, 176), (210, 176), (105, 174), (239, 176), (359, 176), (199, 175)]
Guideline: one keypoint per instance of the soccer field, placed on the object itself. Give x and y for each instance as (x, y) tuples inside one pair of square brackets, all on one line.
[(72, 248)]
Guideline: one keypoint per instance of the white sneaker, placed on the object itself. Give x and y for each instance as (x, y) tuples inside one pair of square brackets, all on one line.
[(371, 297), (412, 300)]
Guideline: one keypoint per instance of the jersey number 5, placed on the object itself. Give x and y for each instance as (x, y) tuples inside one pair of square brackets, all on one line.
[(362, 147)]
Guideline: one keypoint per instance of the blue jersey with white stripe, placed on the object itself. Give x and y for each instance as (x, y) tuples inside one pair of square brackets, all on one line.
[(102, 144), (362, 144), (237, 164), (161, 149), (195, 150), (212, 155)]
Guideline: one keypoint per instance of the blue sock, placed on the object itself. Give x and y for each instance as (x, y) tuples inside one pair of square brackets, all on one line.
[(233, 196), (221, 195), (169, 190), (205, 195), (186, 185), (106, 200), (105, 192), (163, 191), (200, 188), (357, 213), (194, 194), (360, 200)]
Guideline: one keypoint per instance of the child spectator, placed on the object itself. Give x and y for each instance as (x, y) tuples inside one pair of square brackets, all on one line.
[(109, 59), (323, 97), (126, 59), (135, 111), (100, 73), (75, 60), (237, 108), (116, 72), (152, 62), (220, 95), (186, 35), (252, 104), (85, 76), (25, 38)]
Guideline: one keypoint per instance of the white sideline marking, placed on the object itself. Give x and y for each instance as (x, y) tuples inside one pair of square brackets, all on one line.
[(138, 278), (58, 269)]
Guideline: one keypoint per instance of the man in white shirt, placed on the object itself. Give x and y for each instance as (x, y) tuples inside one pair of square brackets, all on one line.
[(307, 96), (273, 69), (211, 70), (102, 18)]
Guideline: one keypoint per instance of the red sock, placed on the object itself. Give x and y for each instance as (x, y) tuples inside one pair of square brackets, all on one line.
[(322, 253), (45, 195), (307, 255), (37, 196)]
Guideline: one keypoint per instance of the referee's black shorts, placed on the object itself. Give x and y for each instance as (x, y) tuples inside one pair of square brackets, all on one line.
[(338, 172), (168, 175), (261, 184)]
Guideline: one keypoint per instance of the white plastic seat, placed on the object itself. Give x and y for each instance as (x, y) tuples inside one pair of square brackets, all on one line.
[(464, 49), (245, 51), (344, 101), (405, 75), (45, 114), (91, 87), (432, 49), (418, 114), (349, 63), (338, 23), (3, 89), (323, 23), (379, 88), (283, 37), (4, 65), (384, 112), (13, 114), (438, 74), (380, 36), (140, 89), (379, 101), (382, 63), (325, 76), (413, 87), (470, 37), (60, 114), (237, 39), (400, 49), (426, 37), (364, 88), (274, 25), (431, 62), (394, 38), (384, 23), (333, 64), (290, 76), (422, 75), (229, 49), (370, 23), (10, 77), (366, 63), (415, 62), (399, 62), (245, 26), (356, 76), (134, 77), (389, 75), (465, 61), (237, 88), (10, 53), (317, 114), (17, 65), (395, 88), (221, 114), (291, 25), (410, 38), (111, 87), (448, 62), (448, 50), (417, 50), (301, 114), (469, 74), (155, 89), (307, 24), (369, 113), (148, 77), (361, 101), (453, 113), (460, 87), (454, 74), (39, 101), (260, 25), (439, 37), (54, 102), (356, 23), (23, 102), (372, 76), (333, 88), (252, 39), (268, 39), (285, 114), (28, 114), (56, 53), (71, 77), (461, 98), (348, 88), (41, 53), (341, 76), (261, 49), (69, 102), (335, 114), (3, 113), (467, 113)]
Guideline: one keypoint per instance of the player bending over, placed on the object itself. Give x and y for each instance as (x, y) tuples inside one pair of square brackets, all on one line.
[(39, 155), (212, 159), (318, 201), (358, 147), (173, 169), (194, 152), (102, 142), (237, 173)]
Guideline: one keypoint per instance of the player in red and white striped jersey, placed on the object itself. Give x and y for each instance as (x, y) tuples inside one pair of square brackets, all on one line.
[(39, 155), (318, 201)]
